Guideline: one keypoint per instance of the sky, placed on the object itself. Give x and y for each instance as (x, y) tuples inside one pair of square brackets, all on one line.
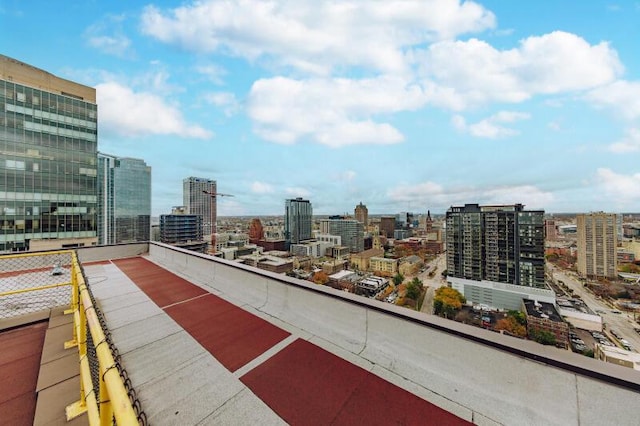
[(401, 105)]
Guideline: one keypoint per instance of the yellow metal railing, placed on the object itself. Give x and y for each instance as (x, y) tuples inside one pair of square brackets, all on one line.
[(26, 282), (114, 399)]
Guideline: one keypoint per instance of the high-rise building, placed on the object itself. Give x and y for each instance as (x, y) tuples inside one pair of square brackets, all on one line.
[(597, 242), (362, 214), (124, 193), (550, 230), (48, 134), (298, 217), (198, 202), (387, 226), (351, 232), (182, 229), (256, 231), (495, 254)]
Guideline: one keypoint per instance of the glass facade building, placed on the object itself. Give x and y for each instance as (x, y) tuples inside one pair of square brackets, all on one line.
[(298, 218), (48, 141), (199, 203), (503, 244), (124, 191)]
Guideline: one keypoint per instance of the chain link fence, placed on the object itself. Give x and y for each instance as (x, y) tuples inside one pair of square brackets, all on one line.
[(34, 282)]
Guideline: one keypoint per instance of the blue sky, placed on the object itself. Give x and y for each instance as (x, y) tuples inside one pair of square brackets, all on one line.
[(403, 105)]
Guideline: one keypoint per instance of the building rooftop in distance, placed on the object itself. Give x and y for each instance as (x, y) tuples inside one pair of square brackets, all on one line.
[(542, 310), (209, 341)]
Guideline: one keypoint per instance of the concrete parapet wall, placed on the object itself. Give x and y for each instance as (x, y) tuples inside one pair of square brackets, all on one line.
[(480, 375)]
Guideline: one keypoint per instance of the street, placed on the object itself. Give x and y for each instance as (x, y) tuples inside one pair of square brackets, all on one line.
[(437, 265), (622, 322)]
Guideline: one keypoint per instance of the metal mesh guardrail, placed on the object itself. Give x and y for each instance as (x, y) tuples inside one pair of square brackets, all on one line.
[(34, 282)]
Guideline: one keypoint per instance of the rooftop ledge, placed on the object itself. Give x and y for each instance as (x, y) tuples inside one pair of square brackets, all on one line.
[(478, 375)]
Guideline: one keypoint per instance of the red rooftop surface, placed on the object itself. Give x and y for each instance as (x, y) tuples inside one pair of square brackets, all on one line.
[(302, 383), (20, 353), (305, 384)]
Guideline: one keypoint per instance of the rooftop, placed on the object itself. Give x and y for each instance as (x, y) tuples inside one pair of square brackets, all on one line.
[(542, 310), (209, 341)]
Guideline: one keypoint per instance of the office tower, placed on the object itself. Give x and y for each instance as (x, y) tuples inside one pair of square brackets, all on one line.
[(48, 134), (350, 231), (362, 214), (550, 230), (182, 229), (256, 231), (124, 194), (495, 254), (298, 216), (597, 242), (387, 226), (199, 203)]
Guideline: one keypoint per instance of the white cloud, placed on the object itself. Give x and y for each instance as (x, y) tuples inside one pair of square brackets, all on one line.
[(473, 72), (107, 36), (630, 143), (346, 176), (333, 112), (213, 72), (622, 96), (490, 127), (225, 100), (117, 44), (531, 196), (128, 113), (623, 188), (440, 197), (314, 35), (261, 188), (297, 192)]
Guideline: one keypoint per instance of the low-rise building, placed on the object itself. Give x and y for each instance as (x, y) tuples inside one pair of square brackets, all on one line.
[(372, 285), (543, 316), (410, 265), (577, 313), (618, 356), (384, 266), (360, 261)]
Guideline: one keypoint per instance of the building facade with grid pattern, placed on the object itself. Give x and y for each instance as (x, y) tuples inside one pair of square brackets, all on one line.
[(48, 171), (199, 203), (124, 191), (597, 243)]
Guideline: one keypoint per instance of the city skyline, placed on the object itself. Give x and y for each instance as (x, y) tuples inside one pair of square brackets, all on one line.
[(410, 108)]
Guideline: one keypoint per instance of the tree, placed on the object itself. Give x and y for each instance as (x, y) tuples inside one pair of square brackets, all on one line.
[(511, 326), (414, 289), (398, 279), (447, 301), (544, 337), (320, 277)]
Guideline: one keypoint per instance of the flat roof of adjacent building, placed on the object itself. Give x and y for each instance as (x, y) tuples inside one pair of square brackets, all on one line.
[(542, 310)]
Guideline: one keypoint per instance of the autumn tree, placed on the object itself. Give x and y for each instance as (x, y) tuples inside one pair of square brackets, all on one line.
[(511, 326), (447, 301), (320, 277)]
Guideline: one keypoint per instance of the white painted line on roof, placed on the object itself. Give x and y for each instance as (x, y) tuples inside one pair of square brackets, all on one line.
[(185, 301), (265, 356)]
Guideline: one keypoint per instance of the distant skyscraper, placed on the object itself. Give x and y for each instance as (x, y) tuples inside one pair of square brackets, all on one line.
[(362, 214), (550, 230), (298, 219), (256, 231), (182, 229), (197, 202), (48, 139), (350, 231), (124, 194), (387, 226), (496, 244), (597, 243)]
